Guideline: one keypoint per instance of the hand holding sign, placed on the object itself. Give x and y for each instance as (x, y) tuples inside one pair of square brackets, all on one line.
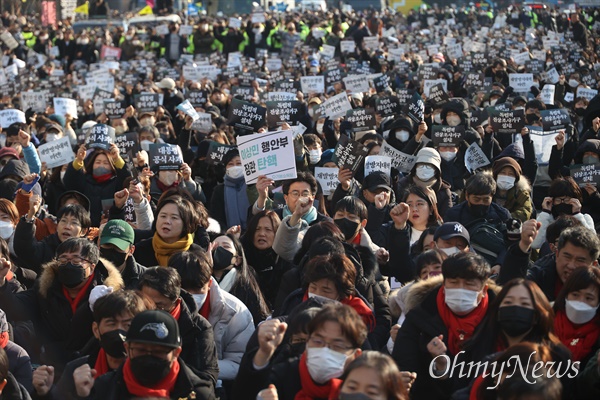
[(80, 157)]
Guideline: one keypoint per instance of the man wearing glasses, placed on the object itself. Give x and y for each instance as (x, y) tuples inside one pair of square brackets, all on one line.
[(58, 302)]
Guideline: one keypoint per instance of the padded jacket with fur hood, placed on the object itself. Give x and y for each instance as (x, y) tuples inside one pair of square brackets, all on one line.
[(60, 331)]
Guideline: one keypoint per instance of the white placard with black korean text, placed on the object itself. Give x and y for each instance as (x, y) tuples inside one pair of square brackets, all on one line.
[(56, 153), (270, 154), (327, 178)]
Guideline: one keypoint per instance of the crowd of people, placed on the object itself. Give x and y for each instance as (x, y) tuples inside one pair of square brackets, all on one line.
[(463, 266)]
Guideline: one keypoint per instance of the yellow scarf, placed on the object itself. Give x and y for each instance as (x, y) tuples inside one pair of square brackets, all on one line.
[(164, 250)]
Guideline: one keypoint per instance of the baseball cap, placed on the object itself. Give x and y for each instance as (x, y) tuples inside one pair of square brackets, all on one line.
[(117, 232), (166, 83), (154, 327), (376, 180), (449, 230)]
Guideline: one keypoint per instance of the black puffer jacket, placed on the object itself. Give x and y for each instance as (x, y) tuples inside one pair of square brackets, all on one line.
[(31, 252)]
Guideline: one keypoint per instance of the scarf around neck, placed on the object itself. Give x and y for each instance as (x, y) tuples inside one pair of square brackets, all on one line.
[(310, 390), (228, 280), (309, 217), (164, 250), (580, 339), (236, 201), (162, 389)]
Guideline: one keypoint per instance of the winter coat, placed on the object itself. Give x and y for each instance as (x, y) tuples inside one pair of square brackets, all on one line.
[(187, 386), (31, 252), (461, 213), (547, 218), (60, 331), (423, 323), (288, 239), (441, 189), (132, 272), (191, 186), (518, 200), (19, 364), (14, 390), (144, 252)]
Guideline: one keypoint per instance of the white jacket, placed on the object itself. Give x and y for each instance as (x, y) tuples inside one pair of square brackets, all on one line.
[(547, 218), (232, 325)]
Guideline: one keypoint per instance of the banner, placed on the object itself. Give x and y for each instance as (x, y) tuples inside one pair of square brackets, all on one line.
[(270, 154)]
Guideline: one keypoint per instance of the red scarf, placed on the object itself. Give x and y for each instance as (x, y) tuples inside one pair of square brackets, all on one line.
[(580, 339), (558, 287), (101, 365), (161, 389), (357, 239), (475, 388), (103, 178), (3, 339), (359, 306), (310, 390), (80, 295), (460, 328), (205, 309), (176, 312)]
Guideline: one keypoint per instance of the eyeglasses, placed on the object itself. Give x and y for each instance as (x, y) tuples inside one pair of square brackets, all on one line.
[(561, 200), (320, 343), (75, 260), (69, 222), (139, 351), (295, 194)]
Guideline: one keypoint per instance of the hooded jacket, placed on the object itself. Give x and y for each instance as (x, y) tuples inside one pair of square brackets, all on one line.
[(518, 198), (60, 331)]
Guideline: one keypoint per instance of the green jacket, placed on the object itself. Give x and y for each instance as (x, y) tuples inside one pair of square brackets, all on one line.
[(518, 200)]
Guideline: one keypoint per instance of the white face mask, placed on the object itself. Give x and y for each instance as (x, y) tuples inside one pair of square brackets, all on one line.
[(493, 102), (505, 182), (235, 172), (450, 250), (519, 108), (448, 155), (128, 37), (145, 145), (437, 118), (461, 301), (402, 136), (119, 130), (319, 128), (573, 83), (425, 172), (199, 299), (50, 137), (579, 312), (167, 177), (314, 156), (453, 120), (6, 230), (321, 299), (62, 174), (324, 364)]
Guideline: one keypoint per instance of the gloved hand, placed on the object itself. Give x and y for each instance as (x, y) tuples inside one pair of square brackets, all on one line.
[(97, 292)]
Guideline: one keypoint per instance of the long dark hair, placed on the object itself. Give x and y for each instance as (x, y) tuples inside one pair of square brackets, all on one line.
[(430, 197)]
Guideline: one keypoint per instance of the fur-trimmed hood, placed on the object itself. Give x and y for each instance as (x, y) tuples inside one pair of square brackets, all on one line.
[(106, 274), (421, 289)]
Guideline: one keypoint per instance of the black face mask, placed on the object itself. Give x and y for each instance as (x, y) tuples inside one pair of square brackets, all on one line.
[(561, 209), (112, 343), (580, 111), (479, 210), (515, 320), (297, 349), (149, 370), (222, 258), (347, 227), (114, 256), (71, 275), (532, 119)]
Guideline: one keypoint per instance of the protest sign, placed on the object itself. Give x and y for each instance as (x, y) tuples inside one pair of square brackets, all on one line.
[(336, 106), (98, 100), (475, 158), (56, 153), (387, 106), (588, 94), (258, 18), (146, 102), (415, 109), (34, 100), (511, 121), (235, 23), (521, 83), (128, 143), (279, 112), (114, 109), (333, 75), (246, 92), (9, 40), (203, 123), (281, 96), (378, 163), (327, 178), (101, 137), (216, 152), (542, 143), (349, 154), (404, 96), (347, 46), (198, 98), (401, 161), (274, 64), (569, 97), (186, 30), (547, 94), (555, 119), (356, 83), (361, 119), (64, 106), (165, 157), (188, 109), (270, 154), (443, 135), (110, 53), (474, 80), (246, 115), (327, 51), (381, 83), (371, 42), (585, 174), (312, 84), (10, 116), (429, 83), (438, 96)]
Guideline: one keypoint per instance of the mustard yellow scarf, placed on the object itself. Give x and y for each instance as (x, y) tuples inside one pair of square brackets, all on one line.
[(164, 250)]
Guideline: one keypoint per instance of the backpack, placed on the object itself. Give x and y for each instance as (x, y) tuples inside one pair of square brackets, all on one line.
[(487, 238)]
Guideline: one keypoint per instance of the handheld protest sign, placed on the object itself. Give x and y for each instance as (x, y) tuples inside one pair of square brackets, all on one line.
[(586, 174), (521, 83), (378, 163), (279, 112), (349, 154), (56, 153), (361, 119), (203, 123), (336, 106), (128, 143), (475, 158), (387, 106), (63, 106), (246, 92), (245, 115), (10, 116), (198, 98), (438, 96), (216, 151), (114, 109), (333, 75), (270, 154), (400, 161), (312, 84), (415, 109), (444, 136), (188, 109), (327, 178), (35, 100), (511, 121), (165, 157), (357, 83), (555, 119), (146, 102), (110, 53), (381, 83), (101, 137)]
